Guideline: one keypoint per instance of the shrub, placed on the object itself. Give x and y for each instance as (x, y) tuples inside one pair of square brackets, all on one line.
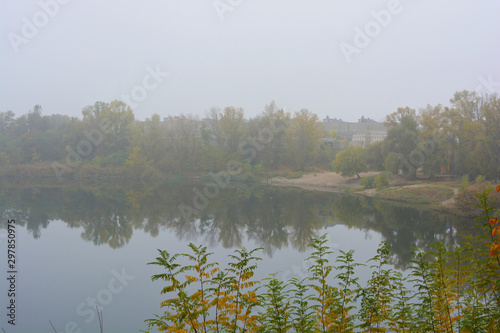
[(116, 159), (294, 175), (368, 182), (381, 180), (465, 182), (274, 174), (465, 200)]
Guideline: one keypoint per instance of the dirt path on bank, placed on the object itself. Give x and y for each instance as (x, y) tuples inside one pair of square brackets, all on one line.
[(331, 182), (323, 181)]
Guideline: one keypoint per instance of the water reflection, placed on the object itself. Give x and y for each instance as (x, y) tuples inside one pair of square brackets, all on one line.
[(272, 217)]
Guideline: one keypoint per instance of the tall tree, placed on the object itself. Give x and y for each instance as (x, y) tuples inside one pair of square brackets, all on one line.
[(468, 132), (211, 129), (114, 121), (492, 130), (375, 156), (93, 114), (184, 141), (7, 123), (233, 127), (402, 139), (150, 136), (303, 138), (36, 121), (269, 132), (434, 144)]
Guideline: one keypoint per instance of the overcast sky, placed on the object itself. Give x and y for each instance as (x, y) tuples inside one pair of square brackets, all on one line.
[(340, 58)]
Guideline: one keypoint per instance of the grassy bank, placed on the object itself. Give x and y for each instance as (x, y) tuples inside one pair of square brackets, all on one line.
[(418, 194), (47, 174)]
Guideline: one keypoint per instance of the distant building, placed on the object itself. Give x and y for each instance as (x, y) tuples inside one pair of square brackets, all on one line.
[(365, 139), (363, 132)]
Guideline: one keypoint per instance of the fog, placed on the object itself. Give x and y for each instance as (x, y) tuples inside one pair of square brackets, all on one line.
[(343, 59)]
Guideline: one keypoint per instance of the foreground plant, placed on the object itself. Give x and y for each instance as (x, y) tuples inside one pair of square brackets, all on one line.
[(377, 297), (455, 289), (221, 303)]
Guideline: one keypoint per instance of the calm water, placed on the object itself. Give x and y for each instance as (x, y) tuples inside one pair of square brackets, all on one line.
[(78, 248)]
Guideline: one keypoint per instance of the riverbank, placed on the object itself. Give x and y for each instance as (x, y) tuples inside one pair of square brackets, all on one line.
[(440, 194), (323, 181), (436, 194)]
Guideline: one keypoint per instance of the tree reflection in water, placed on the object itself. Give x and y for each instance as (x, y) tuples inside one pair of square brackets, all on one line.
[(273, 218)]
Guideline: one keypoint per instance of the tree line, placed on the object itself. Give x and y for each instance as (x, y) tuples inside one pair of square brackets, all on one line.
[(460, 139)]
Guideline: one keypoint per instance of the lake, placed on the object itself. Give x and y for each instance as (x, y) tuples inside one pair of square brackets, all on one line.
[(78, 248)]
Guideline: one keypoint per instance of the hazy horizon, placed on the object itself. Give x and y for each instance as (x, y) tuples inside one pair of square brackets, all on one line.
[(340, 59)]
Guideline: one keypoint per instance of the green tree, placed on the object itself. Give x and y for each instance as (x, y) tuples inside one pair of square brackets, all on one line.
[(402, 138), (233, 127), (492, 142), (268, 131), (36, 121), (350, 161), (114, 120), (7, 126), (7, 122), (303, 138), (392, 162), (212, 131), (375, 157), (468, 131), (434, 140), (184, 142), (150, 137)]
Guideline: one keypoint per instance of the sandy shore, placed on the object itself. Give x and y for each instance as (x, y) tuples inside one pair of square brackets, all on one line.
[(331, 182), (323, 181)]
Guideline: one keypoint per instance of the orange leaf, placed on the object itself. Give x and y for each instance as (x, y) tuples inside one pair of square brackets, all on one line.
[(495, 231), (498, 188), (494, 250), (493, 221)]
